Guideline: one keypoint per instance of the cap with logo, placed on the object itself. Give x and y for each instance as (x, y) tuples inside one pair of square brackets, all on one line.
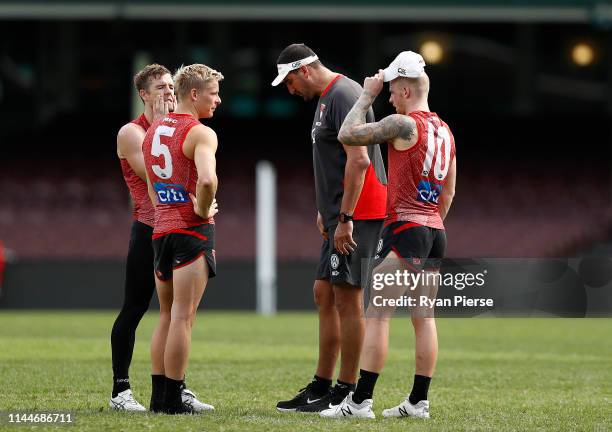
[(285, 68), (407, 64)]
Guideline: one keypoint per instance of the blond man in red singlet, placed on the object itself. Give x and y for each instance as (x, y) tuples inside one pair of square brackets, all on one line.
[(422, 172)]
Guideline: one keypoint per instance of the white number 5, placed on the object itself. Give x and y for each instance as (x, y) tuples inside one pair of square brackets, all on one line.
[(437, 141), (159, 149)]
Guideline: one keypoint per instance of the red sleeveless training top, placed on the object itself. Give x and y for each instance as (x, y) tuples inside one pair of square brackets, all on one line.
[(417, 176), (172, 175), (142, 209)]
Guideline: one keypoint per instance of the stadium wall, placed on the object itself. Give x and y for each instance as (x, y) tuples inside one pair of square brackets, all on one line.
[(47, 284)]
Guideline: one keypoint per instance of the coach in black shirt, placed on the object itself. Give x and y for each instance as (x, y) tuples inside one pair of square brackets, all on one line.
[(350, 184)]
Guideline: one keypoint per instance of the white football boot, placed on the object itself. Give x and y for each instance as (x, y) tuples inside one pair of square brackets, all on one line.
[(190, 399), (349, 409), (125, 401), (406, 409)]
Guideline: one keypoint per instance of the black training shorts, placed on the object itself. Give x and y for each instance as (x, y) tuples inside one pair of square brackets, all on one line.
[(353, 269), (180, 247), (420, 247)]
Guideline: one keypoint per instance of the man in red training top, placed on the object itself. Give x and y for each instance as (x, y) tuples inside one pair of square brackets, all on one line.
[(156, 90), (422, 172), (179, 154)]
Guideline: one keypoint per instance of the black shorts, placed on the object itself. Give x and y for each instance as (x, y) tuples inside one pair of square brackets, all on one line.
[(180, 247), (420, 247), (353, 269)]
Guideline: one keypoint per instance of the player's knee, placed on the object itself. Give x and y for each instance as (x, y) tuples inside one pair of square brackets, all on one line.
[(165, 308), (378, 322), (323, 297), (182, 316), (421, 323), (348, 301), (165, 315), (182, 321), (139, 310), (192, 319), (131, 315)]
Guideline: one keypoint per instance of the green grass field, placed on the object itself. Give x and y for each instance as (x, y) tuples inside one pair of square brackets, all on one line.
[(492, 374)]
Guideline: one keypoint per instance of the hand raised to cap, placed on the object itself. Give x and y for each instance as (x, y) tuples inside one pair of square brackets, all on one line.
[(374, 84)]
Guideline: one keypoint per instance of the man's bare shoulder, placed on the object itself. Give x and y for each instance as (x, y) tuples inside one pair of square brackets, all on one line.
[(405, 133), (403, 124), (201, 134), (130, 135), (130, 129), (201, 131)]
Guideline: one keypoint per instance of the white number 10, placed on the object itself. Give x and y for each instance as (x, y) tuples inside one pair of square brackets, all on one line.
[(159, 149), (437, 141)]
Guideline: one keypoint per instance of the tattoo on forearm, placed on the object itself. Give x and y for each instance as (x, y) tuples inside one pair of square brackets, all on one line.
[(355, 130), (357, 114)]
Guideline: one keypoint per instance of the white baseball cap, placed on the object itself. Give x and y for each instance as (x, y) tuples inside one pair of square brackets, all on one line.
[(407, 64), (285, 68)]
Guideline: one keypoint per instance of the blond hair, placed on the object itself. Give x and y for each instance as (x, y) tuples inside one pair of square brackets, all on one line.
[(195, 76), (419, 85)]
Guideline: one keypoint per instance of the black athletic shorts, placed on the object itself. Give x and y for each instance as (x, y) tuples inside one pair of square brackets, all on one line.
[(180, 247), (420, 247), (353, 269)]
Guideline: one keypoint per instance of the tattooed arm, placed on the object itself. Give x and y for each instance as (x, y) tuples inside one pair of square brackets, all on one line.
[(356, 132)]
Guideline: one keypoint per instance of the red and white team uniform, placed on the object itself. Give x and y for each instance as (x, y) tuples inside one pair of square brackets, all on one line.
[(142, 210), (418, 175), (173, 176)]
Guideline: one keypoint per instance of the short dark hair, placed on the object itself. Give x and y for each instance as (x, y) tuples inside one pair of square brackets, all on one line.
[(295, 52), (142, 78)]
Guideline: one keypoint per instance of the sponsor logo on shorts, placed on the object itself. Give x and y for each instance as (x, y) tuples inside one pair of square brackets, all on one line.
[(334, 261), (379, 247)]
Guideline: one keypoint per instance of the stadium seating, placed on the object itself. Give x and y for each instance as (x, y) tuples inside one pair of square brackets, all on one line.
[(83, 210)]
